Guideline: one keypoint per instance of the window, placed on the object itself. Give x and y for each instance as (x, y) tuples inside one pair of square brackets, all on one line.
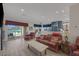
[(56, 26), (15, 30)]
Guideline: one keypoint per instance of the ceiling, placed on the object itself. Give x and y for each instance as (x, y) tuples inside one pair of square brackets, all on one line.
[(36, 12)]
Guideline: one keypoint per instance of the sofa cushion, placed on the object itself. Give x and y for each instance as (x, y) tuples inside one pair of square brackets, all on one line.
[(52, 43), (54, 39)]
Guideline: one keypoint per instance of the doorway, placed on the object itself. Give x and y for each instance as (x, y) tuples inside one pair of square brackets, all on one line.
[(15, 31)]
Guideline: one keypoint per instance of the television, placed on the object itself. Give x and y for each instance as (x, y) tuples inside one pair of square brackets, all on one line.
[(1, 14)]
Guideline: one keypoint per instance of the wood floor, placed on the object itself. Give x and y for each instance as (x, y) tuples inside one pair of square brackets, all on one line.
[(18, 47)]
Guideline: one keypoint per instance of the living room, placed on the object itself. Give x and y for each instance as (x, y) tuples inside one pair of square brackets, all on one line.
[(49, 29)]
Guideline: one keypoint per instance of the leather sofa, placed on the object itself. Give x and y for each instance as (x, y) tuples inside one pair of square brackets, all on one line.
[(53, 41), (74, 48)]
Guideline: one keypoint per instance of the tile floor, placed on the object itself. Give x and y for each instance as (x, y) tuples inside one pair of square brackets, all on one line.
[(18, 47)]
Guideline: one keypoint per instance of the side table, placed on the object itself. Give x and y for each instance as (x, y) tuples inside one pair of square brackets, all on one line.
[(65, 48)]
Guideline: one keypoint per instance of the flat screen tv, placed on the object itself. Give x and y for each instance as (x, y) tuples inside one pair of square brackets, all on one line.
[(1, 14)]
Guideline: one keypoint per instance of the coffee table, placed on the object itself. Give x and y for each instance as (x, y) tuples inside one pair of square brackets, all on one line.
[(37, 46)]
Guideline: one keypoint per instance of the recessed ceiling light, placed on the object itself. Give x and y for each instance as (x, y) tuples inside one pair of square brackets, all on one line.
[(57, 12), (62, 11), (22, 10)]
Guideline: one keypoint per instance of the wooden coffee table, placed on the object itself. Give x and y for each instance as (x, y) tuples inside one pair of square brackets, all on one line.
[(37, 46)]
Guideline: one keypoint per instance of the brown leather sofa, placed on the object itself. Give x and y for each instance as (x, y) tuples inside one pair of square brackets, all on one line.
[(53, 41)]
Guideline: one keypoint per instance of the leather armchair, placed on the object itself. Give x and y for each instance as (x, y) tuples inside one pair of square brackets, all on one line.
[(74, 48), (29, 36), (32, 35)]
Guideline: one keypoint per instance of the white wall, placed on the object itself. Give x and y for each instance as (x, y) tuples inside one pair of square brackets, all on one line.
[(74, 22)]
